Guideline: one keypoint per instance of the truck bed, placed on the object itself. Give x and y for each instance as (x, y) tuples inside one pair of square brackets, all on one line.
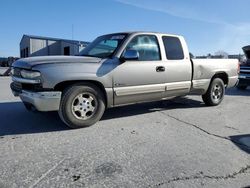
[(204, 70)]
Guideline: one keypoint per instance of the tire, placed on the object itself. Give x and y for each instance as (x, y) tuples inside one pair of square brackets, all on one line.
[(82, 105), (241, 87), (215, 93)]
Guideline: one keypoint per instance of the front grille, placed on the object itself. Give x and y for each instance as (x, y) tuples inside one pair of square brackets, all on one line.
[(32, 87), (15, 86), (245, 70)]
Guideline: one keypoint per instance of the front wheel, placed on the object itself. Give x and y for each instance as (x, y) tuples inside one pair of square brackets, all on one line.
[(82, 105), (215, 93)]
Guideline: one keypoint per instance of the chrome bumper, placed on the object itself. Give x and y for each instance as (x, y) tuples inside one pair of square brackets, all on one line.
[(42, 101)]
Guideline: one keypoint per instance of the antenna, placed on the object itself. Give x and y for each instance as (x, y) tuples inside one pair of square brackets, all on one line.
[(72, 31), (74, 45)]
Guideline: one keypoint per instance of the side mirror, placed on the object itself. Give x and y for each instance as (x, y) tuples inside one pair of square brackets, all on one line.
[(130, 55)]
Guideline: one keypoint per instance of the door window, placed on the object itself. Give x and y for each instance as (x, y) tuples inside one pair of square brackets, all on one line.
[(173, 48), (147, 47)]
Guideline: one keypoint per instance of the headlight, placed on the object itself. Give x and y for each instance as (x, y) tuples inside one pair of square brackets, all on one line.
[(30, 74)]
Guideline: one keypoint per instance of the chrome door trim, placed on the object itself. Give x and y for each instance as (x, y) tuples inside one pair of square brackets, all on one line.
[(153, 88), (178, 85), (142, 89)]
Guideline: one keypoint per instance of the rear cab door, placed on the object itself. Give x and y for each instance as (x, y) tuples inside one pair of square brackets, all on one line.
[(178, 66)]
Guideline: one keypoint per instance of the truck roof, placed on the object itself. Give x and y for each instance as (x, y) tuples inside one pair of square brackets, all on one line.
[(145, 32)]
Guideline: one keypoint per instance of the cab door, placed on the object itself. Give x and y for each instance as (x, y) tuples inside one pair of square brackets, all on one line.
[(142, 79), (178, 66)]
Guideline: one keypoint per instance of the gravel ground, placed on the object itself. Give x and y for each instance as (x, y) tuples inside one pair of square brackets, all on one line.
[(180, 143)]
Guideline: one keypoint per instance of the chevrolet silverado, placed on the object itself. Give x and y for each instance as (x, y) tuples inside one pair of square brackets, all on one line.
[(119, 69)]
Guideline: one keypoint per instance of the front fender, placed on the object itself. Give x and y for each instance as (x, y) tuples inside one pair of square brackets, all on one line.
[(52, 74)]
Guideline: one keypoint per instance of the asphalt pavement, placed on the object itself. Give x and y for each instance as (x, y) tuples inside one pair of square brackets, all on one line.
[(178, 143), (3, 70)]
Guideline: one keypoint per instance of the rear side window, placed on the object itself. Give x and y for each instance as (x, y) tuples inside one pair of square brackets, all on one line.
[(173, 48)]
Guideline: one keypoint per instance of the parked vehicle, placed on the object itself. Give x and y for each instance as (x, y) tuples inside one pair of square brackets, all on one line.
[(244, 77), (119, 69)]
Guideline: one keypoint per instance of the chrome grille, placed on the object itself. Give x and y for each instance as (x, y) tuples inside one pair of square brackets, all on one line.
[(245, 69)]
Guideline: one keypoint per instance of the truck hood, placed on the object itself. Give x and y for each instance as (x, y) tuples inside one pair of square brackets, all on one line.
[(28, 63)]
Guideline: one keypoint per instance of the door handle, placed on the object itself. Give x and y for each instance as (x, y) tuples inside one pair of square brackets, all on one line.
[(160, 69)]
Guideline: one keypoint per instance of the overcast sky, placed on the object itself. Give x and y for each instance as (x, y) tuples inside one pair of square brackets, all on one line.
[(208, 26)]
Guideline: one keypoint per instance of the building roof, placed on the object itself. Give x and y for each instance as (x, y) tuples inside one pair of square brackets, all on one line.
[(55, 39)]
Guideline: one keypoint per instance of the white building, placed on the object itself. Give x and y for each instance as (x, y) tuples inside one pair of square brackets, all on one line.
[(31, 46)]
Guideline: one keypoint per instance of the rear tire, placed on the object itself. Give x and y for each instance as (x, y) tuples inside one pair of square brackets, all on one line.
[(82, 105), (215, 93)]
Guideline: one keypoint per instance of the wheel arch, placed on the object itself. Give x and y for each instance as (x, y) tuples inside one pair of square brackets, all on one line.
[(64, 84), (222, 75)]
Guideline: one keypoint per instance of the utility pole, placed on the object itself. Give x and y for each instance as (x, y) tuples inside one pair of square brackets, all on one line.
[(74, 48), (72, 31)]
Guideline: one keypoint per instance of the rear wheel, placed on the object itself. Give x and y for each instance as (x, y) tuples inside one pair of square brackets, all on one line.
[(215, 93), (81, 105)]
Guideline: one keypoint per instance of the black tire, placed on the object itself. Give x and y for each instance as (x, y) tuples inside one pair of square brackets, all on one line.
[(241, 87), (215, 93), (74, 118)]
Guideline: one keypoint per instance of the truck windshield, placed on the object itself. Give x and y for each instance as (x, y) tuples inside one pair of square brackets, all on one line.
[(104, 46)]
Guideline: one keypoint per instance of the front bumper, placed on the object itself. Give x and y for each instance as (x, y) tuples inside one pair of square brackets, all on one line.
[(30, 92), (42, 101)]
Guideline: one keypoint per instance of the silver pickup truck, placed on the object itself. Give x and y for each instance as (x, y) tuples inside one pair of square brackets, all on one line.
[(119, 69)]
